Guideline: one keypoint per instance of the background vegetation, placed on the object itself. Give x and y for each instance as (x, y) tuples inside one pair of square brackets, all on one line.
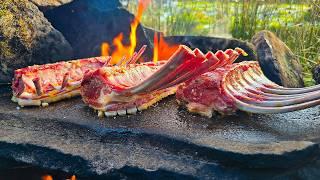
[(296, 22)]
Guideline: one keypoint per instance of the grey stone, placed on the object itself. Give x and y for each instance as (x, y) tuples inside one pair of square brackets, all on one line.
[(277, 61), (27, 38), (164, 140)]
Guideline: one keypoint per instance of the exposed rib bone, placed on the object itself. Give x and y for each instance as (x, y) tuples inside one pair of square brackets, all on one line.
[(139, 54), (253, 92), (37, 84), (182, 54), (123, 59)]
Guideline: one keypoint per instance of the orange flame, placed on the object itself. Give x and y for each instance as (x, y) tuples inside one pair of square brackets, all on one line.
[(162, 50), (46, 177), (49, 177), (122, 50), (155, 48)]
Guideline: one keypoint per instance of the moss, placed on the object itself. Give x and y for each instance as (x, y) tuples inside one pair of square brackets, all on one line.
[(24, 32), (13, 24), (6, 50)]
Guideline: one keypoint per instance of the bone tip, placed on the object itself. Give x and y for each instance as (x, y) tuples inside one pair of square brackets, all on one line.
[(44, 104), (121, 112), (241, 51), (100, 114), (110, 113)]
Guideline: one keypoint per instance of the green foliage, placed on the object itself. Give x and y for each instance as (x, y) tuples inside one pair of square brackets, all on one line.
[(297, 23)]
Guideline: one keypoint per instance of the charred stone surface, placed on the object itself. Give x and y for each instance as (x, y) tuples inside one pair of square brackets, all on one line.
[(213, 44), (86, 24), (27, 38), (277, 61), (164, 141)]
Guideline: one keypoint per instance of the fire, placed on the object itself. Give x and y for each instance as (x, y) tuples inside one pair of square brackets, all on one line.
[(162, 50), (73, 177), (155, 48), (49, 177), (122, 50), (46, 177)]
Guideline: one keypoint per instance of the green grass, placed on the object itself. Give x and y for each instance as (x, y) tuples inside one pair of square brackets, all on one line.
[(297, 23)]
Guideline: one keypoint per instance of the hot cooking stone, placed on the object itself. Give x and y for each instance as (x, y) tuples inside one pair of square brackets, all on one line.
[(164, 141)]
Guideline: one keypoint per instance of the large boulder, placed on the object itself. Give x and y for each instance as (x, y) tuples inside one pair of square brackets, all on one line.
[(86, 24), (27, 38), (277, 61)]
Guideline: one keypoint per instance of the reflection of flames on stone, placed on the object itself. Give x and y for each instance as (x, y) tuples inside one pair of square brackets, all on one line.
[(162, 50)]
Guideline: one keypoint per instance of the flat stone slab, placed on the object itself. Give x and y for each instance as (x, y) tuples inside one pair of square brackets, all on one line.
[(164, 141)]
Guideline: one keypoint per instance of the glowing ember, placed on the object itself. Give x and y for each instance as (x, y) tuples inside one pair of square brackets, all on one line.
[(73, 177), (122, 50), (49, 177), (46, 177)]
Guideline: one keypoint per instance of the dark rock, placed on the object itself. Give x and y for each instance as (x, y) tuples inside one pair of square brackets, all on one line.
[(316, 73), (86, 24), (277, 61), (213, 44), (27, 38), (150, 33)]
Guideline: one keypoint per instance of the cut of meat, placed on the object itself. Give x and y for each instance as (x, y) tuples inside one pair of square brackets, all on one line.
[(42, 84), (207, 93), (124, 89), (102, 89), (204, 94)]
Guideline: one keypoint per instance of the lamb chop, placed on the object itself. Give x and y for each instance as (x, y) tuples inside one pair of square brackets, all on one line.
[(204, 95), (244, 87)]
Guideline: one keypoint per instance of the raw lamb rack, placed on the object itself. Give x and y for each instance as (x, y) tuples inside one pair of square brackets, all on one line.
[(41, 84), (121, 90)]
